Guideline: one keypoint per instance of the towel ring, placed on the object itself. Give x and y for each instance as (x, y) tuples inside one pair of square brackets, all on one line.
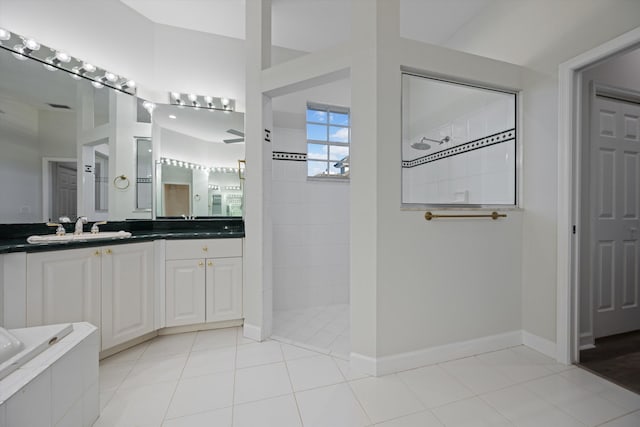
[(121, 182)]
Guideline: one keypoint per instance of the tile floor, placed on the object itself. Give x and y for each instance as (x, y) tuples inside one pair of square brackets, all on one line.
[(322, 329), (218, 378)]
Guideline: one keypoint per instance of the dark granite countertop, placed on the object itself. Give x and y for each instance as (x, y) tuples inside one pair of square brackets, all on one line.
[(13, 237)]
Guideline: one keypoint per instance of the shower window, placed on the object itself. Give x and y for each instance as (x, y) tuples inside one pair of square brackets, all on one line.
[(328, 138), (458, 144)]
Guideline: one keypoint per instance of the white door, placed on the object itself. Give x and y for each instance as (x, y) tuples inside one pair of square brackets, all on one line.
[(127, 292), (615, 215), (224, 289), (63, 287), (64, 195), (185, 292)]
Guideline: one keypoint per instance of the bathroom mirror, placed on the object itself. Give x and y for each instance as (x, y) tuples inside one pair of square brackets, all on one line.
[(458, 144), (62, 144), (197, 166)]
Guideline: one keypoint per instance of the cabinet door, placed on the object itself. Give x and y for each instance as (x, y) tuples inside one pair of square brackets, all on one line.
[(185, 292), (127, 292), (224, 289), (63, 287)]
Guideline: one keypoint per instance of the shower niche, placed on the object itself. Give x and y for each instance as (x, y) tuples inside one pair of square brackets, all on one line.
[(459, 144)]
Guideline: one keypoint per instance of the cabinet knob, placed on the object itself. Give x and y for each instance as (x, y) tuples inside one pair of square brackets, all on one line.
[(210, 263), (97, 253), (205, 248), (201, 263), (108, 251)]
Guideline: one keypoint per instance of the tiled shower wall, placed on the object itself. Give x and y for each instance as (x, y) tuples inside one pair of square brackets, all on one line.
[(481, 176), (310, 231)]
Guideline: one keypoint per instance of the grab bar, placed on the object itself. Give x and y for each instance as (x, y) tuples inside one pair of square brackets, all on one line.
[(493, 215)]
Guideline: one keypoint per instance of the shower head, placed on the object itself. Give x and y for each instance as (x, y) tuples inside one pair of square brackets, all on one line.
[(420, 145), (423, 145)]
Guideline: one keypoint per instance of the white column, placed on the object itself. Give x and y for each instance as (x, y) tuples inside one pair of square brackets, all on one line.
[(257, 256)]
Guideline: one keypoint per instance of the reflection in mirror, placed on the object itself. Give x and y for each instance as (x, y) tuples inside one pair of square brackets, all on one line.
[(458, 144), (50, 128), (197, 169), (144, 173)]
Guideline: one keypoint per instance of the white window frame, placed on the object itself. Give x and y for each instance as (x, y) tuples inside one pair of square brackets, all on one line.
[(328, 109)]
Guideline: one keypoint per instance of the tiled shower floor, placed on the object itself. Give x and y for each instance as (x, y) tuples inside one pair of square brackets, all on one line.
[(324, 329)]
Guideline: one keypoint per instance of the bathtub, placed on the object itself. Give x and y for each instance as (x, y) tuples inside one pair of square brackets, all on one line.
[(50, 376), (19, 346)]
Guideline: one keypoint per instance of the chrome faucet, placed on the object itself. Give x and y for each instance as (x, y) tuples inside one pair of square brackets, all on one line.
[(79, 223)]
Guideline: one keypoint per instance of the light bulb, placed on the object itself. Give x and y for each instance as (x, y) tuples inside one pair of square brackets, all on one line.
[(149, 106), (175, 95), (192, 97), (130, 83), (225, 102), (87, 68), (63, 57), (31, 44), (49, 64), (110, 77), (208, 99), (4, 34), (19, 52)]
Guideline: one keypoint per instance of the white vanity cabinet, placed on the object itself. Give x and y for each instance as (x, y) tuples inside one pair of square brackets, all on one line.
[(111, 287), (127, 293), (203, 281)]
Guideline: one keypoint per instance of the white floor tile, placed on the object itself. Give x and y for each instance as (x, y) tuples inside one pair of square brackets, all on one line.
[(631, 420), (333, 406), (210, 362), (421, 419), (215, 338), (470, 413), (105, 397), (594, 410), (201, 394), (169, 345), (621, 396), (241, 339), (312, 372), (385, 398), (137, 406), (292, 352), (155, 371), (276, 412), (517, 403), (129, 355), (476, 375), (111, 375), (258, 354), (434, 386), (557, 390), (348, 372), (586, 379), (550, 417), (261, 382), (217, 418)]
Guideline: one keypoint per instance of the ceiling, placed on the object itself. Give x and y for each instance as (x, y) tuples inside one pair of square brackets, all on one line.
[(309, 25)]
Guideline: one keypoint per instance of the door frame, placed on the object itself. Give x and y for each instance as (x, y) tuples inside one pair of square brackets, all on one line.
[(570, 132), (46, 182)]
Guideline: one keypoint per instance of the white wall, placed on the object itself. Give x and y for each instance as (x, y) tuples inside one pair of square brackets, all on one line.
[(310, 232)]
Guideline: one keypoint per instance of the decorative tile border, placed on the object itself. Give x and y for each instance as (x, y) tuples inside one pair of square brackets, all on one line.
[(497, 138), (295, 157)]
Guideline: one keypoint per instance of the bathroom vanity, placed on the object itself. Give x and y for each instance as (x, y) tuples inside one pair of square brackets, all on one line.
[(169, 273)]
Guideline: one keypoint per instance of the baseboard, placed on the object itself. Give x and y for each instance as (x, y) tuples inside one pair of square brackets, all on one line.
[(252, 332), (170, 330), (587, 341), (432, 355), (539, 344)]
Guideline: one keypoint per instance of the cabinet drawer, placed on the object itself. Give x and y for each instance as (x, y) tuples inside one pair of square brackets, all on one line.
[(203, 248)]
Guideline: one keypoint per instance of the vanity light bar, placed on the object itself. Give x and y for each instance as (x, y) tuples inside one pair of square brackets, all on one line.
[(23, 48), (201, 101), (188, 165)]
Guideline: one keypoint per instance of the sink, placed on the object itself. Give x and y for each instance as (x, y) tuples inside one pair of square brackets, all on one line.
[(84, 237)]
